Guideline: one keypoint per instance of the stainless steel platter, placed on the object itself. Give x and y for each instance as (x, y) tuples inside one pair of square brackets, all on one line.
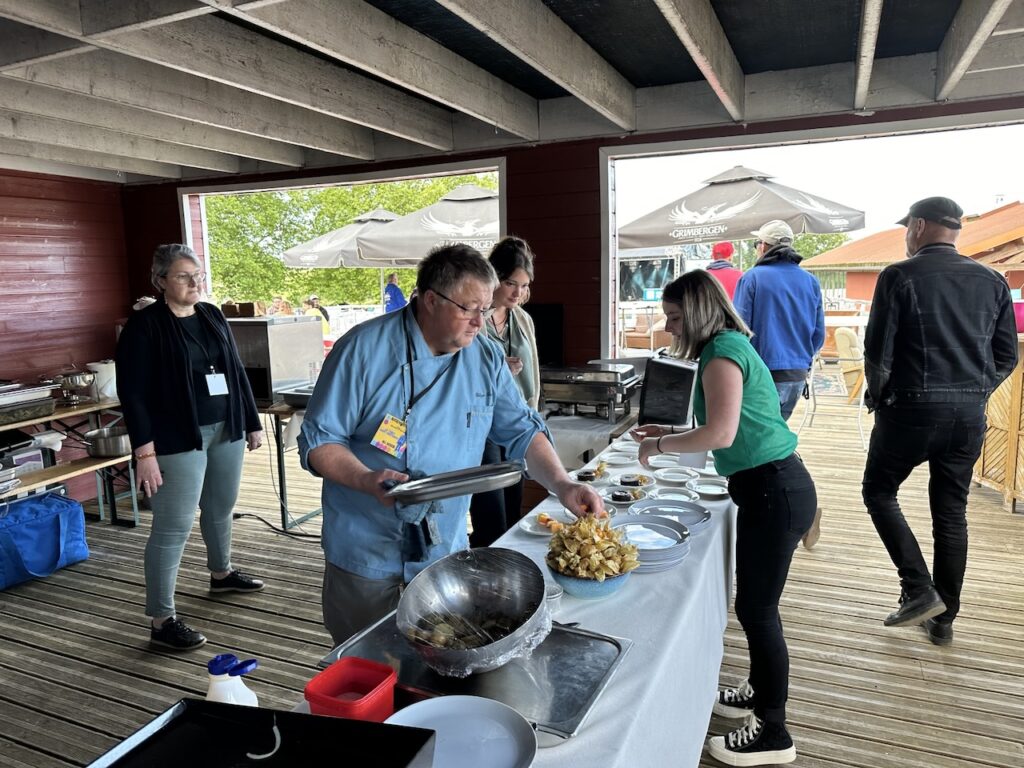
[(555, 688), (462, 482)]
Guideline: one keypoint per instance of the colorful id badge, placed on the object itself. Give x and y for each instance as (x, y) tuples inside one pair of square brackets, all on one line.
[(390, 436), (216, 384)]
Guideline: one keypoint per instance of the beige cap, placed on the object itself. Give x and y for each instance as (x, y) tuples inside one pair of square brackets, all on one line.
[(774, 232)]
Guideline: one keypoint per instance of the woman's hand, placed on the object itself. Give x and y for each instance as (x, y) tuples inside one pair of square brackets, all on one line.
[(649, 430), (648, 448), (515, 365), (254, 439), (147, 475)]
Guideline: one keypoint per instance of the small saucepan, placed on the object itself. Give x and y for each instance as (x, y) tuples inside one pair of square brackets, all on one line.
[(108, 442)]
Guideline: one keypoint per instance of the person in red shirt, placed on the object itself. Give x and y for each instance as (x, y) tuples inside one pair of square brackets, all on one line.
[(721, 267)]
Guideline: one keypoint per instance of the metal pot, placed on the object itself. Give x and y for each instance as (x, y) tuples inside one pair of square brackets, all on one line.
[(108, 442), (74, 379)]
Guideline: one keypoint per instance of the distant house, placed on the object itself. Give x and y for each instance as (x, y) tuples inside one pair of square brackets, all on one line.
[(995, 238)]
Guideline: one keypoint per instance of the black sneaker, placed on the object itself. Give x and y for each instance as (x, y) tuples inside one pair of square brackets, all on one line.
[(735, 702), (939, 632), (177, 635), (914, 610), (236, 581), (756, 743)]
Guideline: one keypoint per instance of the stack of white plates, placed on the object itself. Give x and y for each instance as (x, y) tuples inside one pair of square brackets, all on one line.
[(689, 513), (661, 542)]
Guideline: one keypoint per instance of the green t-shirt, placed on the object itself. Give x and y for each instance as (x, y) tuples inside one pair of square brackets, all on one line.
[(762, 435)]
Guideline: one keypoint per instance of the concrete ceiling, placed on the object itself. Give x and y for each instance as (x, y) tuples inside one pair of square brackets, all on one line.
[(187, 89)]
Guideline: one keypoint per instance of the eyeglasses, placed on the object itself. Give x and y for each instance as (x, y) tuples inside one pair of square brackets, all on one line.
[(467, 313), (189, 278)]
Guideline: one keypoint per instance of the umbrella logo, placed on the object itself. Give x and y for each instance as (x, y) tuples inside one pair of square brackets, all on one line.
[(470, 232), (813, 204), (691, 223)]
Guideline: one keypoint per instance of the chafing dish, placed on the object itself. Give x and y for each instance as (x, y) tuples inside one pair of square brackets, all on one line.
[(607, 387)]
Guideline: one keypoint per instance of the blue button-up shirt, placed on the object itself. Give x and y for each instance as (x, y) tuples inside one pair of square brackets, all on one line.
[(364, 379)]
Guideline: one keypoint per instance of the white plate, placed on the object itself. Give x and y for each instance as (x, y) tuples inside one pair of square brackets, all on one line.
[(675, 475), (709, 471), (645, 479), (710, 487), (673, 494), (606, 493), (473, 731), (664, 460), (616, 459), (569, 517), (530, 525), (625, 445)]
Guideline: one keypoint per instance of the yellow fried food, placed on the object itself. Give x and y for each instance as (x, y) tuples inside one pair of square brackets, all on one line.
[(590, 549)]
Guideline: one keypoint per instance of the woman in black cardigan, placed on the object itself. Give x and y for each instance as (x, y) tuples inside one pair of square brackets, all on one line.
[(187, 405)]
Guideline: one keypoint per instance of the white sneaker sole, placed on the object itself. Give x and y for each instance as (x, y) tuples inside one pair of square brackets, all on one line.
[(717, 749), (732, 713)]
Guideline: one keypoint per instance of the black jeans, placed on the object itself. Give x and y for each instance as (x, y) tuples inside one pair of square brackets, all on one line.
[(494, 512), (776, 503), (949, 438)]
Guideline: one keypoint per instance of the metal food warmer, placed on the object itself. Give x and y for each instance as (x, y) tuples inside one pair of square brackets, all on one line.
[(603, 389)]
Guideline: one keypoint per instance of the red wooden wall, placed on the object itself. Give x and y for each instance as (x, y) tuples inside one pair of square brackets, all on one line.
[(62, 278)]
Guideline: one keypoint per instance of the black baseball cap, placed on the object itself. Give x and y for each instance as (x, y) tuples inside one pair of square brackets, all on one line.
[(941, 210)]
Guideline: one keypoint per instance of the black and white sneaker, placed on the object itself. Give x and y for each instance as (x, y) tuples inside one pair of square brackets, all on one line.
[(176, 635), (756, 743), (236, 581), (735, 702)]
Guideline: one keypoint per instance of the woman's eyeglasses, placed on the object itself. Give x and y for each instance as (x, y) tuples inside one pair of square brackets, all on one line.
[(467, 313), (187, 278)]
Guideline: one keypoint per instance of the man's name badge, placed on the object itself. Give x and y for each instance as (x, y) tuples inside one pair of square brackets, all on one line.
[(390, 436), (216, 384)]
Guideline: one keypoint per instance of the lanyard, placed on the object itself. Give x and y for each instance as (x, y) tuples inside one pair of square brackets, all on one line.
[(413, 397), (506, 340), (199, 343)]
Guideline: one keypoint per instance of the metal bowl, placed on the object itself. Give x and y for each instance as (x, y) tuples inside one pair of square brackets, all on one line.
[(74, 379), (108, 442), (468, 591)]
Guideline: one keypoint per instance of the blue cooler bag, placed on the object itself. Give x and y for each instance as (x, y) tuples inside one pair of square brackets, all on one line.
[(38, 535)]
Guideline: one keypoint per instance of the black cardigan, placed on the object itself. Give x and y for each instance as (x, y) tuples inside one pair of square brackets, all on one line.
[(154, 380)]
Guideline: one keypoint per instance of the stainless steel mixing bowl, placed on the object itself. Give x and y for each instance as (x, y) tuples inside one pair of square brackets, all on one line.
[(469, 590)]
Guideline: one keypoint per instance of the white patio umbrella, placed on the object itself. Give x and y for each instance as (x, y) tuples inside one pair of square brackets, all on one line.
[(337, 248), (468, 214)]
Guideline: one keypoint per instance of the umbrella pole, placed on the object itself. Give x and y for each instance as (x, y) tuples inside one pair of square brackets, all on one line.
[(381, 276)]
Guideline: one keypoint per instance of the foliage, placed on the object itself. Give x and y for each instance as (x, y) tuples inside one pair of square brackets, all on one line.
[(807, 245), (247, 233)]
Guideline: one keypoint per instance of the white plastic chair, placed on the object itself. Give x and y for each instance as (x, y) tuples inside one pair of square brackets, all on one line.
[(851, 365)]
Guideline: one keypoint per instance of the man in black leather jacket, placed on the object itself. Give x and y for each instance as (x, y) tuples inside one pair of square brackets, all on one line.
[(941, 337)]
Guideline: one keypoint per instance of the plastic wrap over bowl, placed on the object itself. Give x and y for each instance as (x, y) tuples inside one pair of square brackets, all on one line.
[(475, 610)]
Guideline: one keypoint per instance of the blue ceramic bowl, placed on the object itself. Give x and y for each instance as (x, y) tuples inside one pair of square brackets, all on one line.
[(589, 589)]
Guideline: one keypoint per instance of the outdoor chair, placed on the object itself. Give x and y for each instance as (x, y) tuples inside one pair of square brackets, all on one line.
[(849, 382), (647, 334)]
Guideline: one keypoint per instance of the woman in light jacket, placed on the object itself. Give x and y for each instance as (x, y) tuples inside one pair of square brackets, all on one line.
[(494, 512), (190, 413)]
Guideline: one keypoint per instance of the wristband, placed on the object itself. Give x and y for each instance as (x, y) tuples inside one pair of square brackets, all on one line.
[(142, 456), (657, 445)]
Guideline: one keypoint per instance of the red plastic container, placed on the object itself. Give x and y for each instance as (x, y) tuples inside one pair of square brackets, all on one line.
[(358, 689), (1018, 314)]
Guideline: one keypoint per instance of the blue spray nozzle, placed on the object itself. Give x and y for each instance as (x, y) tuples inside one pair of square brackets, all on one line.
[(222, 664), (243, 667)]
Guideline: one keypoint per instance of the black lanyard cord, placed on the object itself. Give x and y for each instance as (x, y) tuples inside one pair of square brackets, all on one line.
[(199, 343), (413, 396)]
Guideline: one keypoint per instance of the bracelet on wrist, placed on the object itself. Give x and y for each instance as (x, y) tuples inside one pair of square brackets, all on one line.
[(658, 443), (141, 456)]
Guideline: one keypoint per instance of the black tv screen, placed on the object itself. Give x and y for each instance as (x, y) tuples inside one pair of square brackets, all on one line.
[(666, 396)]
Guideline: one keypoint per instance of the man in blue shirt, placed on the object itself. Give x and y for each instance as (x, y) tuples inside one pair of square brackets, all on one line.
[(394, 299), (414, 391)]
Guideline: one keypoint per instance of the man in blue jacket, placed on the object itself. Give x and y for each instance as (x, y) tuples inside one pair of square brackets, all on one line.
[(940, 338), (781, 303)]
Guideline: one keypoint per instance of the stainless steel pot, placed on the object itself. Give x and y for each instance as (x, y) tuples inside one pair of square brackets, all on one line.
[(74, 379), (108, 442)]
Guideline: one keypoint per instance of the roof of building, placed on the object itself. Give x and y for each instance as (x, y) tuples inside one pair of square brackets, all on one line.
[(995, 238)]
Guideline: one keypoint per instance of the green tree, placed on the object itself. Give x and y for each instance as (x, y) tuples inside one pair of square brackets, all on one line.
[(807, 245), (247, 233)]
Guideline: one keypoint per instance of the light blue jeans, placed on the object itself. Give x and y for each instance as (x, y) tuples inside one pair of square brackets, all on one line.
[(208, 479), (789, 393)]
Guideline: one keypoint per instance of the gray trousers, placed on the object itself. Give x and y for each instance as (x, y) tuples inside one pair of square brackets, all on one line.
[(208, 479), (351, 603)]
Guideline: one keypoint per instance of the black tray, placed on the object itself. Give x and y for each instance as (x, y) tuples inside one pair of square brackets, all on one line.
[(194, 732)]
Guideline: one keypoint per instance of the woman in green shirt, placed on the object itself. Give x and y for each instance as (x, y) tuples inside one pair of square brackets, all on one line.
[(736, 406)]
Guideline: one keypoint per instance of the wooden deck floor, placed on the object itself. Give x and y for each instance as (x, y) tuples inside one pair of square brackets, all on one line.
[(77, 675)]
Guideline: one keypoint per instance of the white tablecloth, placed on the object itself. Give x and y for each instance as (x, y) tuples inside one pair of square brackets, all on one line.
[(579, 438), (656, 708)]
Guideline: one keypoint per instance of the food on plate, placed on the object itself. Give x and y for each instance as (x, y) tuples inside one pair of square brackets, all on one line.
[(622, 496), (634, 479), (586, 475), (549, 522), (589, 549)]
